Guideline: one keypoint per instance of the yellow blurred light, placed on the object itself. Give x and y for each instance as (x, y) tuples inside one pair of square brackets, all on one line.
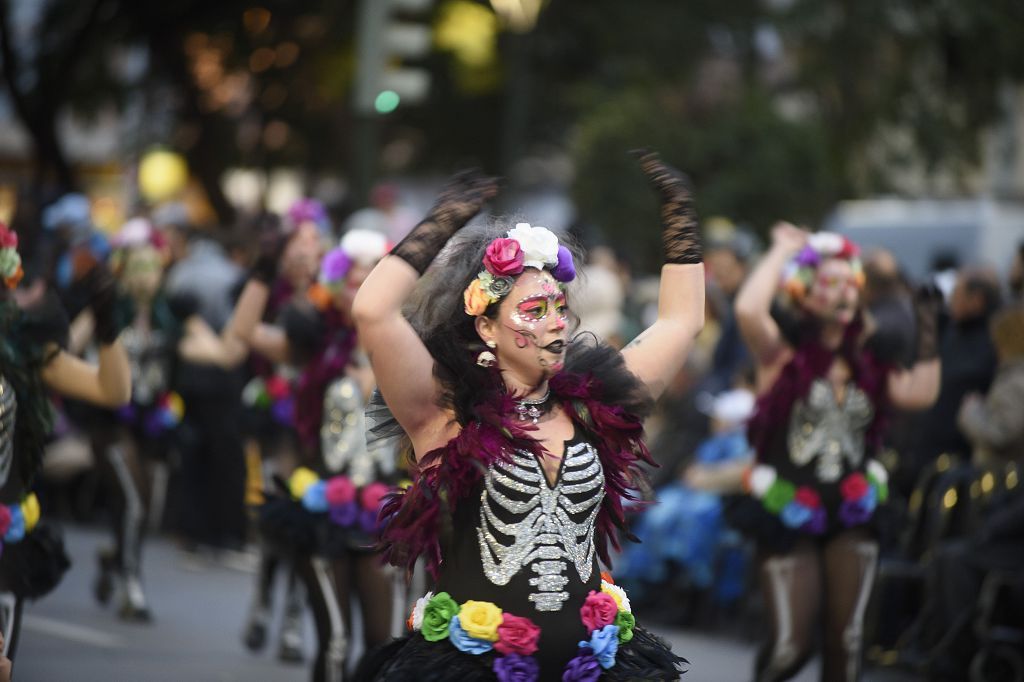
[(949, 499), (162, 174), (469, 31), (988, 481), (1011, 480), (975, 489), (943, 462)]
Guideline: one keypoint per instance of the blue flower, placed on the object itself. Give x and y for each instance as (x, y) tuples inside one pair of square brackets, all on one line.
[(605, 644), (16, 531), (315, 497), (795, 514), (464, 642)]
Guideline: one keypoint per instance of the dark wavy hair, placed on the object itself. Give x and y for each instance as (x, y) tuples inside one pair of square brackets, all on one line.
[(436, 311)]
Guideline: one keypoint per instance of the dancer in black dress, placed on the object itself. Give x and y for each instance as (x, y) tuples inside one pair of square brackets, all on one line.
[(527, 442)]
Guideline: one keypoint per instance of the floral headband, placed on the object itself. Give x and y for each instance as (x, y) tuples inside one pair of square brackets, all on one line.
[(800, 272), (10, 259), (526, 246), (364, 247)]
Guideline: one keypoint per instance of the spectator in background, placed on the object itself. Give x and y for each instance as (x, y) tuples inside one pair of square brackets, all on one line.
[(889, 304), (968, 363), (599, 301), (728, 261), (211, 479), (994, 424)]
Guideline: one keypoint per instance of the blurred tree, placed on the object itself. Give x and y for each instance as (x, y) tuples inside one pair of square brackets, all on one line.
[(744, 160)]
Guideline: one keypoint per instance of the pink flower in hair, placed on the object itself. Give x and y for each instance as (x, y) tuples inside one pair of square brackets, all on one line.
[(504, 257)]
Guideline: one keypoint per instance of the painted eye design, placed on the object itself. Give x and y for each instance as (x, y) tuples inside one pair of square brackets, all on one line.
[(534, 310)]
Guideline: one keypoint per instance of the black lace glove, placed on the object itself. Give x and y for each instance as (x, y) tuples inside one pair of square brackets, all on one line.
[(927, 302), (102, 288), (680, 229), (264, 269), (462, 198)]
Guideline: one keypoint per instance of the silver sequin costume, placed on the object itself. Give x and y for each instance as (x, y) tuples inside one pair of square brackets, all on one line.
[(548, 529), (826, 432)]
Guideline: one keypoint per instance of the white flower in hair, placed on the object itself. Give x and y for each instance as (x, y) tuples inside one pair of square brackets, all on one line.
[(539, 245), (761, 478), (826, 243), (365, 247), (417, 611)]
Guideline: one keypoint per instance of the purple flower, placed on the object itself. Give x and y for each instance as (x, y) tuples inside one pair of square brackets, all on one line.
[(153, 423), (368, 520), (516, 668), (808, 257), (345, 514), (816, 523), (565, 270), (307, 209), (126, 412), (583, 668), (854, 513), (283, 410), (334, 266)]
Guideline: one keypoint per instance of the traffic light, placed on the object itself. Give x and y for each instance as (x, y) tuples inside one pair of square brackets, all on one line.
[(389, 33)]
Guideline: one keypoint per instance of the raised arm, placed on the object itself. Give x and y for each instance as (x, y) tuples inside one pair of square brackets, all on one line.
[(917, 388), (108, 383), (658, 353), (754, 300), (400, 361)]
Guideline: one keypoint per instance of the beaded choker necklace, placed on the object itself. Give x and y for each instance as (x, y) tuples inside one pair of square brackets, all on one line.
[(533, 408)]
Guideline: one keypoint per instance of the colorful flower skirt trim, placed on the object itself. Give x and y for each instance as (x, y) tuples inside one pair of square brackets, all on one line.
[(800, 507), (476, 627)]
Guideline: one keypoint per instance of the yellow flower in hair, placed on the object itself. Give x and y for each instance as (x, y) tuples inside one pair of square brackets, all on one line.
[(300, 481), (30, 510), (480, 619), (476, 298)]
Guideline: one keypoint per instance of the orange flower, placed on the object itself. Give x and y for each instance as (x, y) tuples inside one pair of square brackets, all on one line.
[(320, 297), (476, 298), (12, 281)]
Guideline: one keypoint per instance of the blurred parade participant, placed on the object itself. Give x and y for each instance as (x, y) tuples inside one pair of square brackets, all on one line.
[(210, 507), (815, 487), (599, 304), (32, 361), (269, 423), (326, 519), (728, 262), (526, 443), (128, 441)]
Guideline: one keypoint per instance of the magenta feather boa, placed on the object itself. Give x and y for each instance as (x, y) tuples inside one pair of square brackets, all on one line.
[(811, 360), (414, 518)]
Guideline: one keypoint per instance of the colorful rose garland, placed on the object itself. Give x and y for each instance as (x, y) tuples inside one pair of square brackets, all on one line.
[(345, 504), (800, 507), (800, 272), (17, 520), (506, 257), (10, 259), (479, 627), (165, 414), (273, 393)]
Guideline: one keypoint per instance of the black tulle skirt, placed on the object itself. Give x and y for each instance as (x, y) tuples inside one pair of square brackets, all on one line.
[(35, 565), (413, 659), (292, 530)]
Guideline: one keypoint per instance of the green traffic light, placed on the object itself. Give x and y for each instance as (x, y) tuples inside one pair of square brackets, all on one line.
[(386, 102)]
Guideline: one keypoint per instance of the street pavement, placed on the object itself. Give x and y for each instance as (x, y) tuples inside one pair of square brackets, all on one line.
[(199, 606)]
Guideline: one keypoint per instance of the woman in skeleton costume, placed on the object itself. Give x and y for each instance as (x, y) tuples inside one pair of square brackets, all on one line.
[(527, 442), (814, 487), (325, 518), (127, 441), (32, 361)]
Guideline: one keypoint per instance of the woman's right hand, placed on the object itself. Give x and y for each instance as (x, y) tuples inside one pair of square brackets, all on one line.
[(788, 237)]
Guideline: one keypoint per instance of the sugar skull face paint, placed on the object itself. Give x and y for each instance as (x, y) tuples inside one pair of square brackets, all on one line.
[(835, 292), (531, 330)]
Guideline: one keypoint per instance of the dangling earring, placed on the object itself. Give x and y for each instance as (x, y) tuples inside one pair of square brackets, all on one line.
[(486, 359), (492, 344)]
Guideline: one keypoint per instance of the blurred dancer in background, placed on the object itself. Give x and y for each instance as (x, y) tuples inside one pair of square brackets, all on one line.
[(814, 487)]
